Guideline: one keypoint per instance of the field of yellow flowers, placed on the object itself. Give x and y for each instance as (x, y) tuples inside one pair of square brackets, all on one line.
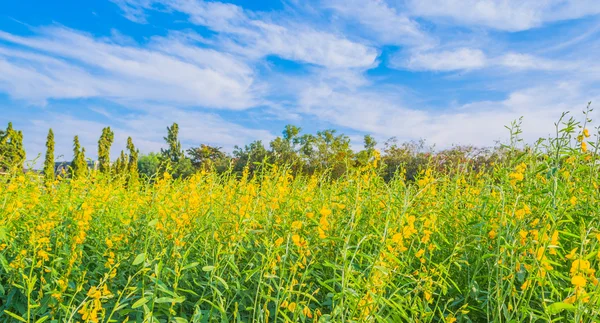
[(517, 244)]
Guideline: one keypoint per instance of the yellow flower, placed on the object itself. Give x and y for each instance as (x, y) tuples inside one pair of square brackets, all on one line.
[(325, 212), (427, 296), (278, 242), (292, 307), (578, 281), (571, 254), (583, 146), (586, 133), (420, 253), (296, 225), (573, 200), (306, 311), (43, 254)]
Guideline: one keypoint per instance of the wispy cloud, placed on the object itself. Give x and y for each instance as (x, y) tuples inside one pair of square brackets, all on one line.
[(459, 59), (479, 123), (384, 23), (510, 15), (465, 59), (60, 63), (240, 32)]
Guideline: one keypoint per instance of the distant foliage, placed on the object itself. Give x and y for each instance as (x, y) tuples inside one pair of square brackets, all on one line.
[(104, 144), (49, 160), (12, 152), (79, 166)]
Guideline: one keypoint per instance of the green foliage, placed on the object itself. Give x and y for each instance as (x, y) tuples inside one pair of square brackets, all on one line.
[(364, 156), (121, 165), (250, 156), (79, 167), (208, 157), (132, 165), (149, 165), (12, 153), (104, 144), (173, 159), (49, 160)]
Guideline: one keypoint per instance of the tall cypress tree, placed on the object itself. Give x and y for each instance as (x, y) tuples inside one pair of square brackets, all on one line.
[(79, 166), (5, 153), (121, 164), (106, 140), (174, 158), (19, 156), (174, 153), (132, 166), (12, 153), (49, 162)]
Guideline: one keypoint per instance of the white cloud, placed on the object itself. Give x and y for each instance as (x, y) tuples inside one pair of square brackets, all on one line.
[(387, 24), (448, 60), (479, 123), (509, 15), (241, 32), (60, 63), (529, 62), (475, 59)]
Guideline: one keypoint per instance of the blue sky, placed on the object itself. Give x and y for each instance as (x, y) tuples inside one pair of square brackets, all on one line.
[(448, 71)]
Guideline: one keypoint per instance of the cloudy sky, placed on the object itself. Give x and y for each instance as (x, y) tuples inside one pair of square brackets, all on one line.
[(448, 71)]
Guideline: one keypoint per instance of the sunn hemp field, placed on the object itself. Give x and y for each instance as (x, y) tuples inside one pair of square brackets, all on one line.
[(516, 240)]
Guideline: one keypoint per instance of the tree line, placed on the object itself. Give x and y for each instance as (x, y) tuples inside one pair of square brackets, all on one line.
[(326, 151)]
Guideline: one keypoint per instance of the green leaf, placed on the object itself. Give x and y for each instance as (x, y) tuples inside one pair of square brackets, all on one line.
[(140, 302), (559, 307), (178, 299), (208, 268), (153, 223), (180, 320), (3, 235), (42, 319), (189, 266), (139, 259), (15, 316), (4, 263)]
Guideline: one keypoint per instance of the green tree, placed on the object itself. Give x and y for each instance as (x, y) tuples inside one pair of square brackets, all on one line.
[(250, 155), (173, 158), (364, 156), (12, 153), (326, 151), (49, 161), (285, 149), (132, 166), (174, 153), (104, 144), (79, 167), (408, 157), (149, 165), (121, 165), (207, 157)]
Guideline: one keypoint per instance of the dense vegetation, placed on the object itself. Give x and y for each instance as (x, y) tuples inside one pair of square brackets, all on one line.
[(511, 238)]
